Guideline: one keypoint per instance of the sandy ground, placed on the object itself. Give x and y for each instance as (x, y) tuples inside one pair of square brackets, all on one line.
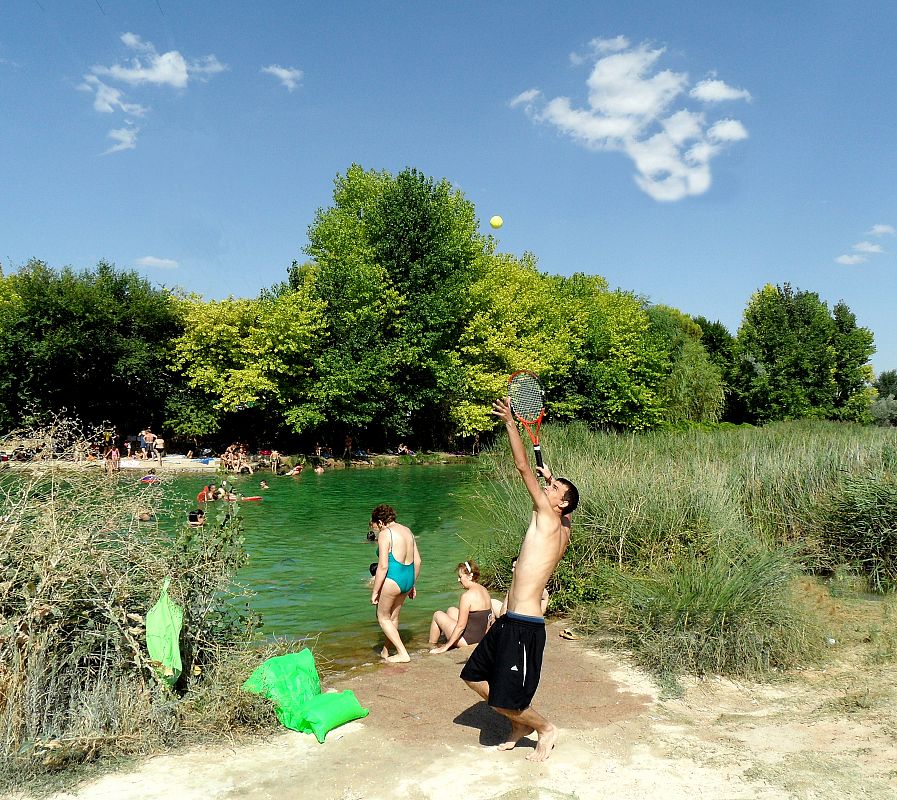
[(816, 735)]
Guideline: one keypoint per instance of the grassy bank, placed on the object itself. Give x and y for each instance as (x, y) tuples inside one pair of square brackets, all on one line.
[(82, 559), (688, 546)]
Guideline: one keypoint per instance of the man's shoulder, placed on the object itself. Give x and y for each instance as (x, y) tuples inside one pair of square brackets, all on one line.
[(547, 517)]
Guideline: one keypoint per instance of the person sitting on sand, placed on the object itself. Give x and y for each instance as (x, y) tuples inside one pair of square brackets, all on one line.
[(398, 568), (499, 607), (466, 624), (243, 463)]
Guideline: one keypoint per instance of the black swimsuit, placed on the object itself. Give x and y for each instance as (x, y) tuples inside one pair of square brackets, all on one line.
[(477, 622)]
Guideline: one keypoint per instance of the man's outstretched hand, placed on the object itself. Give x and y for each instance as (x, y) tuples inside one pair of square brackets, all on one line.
[(502, 409)]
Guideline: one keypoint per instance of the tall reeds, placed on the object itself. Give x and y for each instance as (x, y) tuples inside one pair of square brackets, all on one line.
[(687, 544)]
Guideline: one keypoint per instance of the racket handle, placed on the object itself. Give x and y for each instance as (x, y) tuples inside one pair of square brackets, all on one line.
[(537, 452)]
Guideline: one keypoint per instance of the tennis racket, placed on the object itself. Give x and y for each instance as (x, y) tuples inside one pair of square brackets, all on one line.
[(528, 405)]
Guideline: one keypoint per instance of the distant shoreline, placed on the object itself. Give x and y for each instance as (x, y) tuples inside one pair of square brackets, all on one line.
[(175, 464)]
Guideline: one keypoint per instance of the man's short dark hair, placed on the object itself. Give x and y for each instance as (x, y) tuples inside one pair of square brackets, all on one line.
[(571, 495)]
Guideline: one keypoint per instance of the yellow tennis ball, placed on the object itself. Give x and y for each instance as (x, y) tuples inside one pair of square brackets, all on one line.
[(496, 221)]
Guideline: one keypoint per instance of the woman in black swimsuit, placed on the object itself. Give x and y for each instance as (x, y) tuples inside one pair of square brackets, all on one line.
[(466, 624)]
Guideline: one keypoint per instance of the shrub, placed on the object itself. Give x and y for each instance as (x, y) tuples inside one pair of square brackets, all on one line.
[(860, 527), (719, 613), (82, 558)]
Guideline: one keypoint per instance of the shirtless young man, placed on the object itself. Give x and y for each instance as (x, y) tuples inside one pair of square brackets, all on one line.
[(505, 667)]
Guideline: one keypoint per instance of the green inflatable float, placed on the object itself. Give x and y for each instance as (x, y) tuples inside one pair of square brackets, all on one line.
[(291, 682)]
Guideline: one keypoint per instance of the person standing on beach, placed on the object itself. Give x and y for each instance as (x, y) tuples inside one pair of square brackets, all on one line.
[(149, 440), (506, 665), (398, 568), (159, 447)]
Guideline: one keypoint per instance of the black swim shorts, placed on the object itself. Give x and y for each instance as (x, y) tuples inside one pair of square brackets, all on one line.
[(509, 659)]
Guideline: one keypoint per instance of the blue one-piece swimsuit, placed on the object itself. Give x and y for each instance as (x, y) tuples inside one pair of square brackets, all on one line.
[(402, 574)]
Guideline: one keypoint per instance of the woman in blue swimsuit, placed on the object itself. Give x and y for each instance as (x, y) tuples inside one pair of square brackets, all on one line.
[(397, 569)]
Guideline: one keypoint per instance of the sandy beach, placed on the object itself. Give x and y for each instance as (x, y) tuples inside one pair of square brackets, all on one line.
[(818, 735)]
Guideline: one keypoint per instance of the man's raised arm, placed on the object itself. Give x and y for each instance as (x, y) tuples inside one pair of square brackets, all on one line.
[(502, 409)]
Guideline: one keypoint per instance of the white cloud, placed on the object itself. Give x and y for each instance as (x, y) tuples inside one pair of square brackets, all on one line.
[(683, 125), (526, 98), (727, 130), (850, 260), (614, 45), (599, 46), (592, 130), (715, 91), (881, 230), (147, 67), (108, 99), (133, 41), (618, 85), (288, 76), (150, 67), (868, 247), (206, 66), (126, 139), (159, 263), (640, 110)]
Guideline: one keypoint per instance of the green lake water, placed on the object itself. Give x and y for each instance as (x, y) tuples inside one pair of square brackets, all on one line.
[(309, 557)]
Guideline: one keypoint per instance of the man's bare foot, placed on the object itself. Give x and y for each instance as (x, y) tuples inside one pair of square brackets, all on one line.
[(545, 744), (398, 658), (516, 734), (384, 653)]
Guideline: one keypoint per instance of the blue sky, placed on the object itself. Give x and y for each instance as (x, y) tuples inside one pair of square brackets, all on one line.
[(688, 152)]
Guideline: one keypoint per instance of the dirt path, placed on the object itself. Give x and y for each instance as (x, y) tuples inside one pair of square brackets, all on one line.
[(824, 735)]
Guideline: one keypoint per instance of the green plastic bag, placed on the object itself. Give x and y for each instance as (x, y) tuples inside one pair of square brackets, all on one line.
[(328, 711), (289, 681), (163, 633)]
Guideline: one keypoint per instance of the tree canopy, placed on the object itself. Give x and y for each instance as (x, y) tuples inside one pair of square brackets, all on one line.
[(796, 359), (93, 343), (403, 321)]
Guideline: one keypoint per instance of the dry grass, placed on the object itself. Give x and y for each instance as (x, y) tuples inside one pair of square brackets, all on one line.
[(82, 559)]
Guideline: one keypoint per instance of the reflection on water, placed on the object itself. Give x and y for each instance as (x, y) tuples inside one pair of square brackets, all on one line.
[(309, 556)]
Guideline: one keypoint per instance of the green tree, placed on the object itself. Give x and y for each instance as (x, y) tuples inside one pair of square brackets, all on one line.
[(884, 410), (517, 321), (618, 365), (886, 383), (237, 354), (795, 360), (93, 343), (720, 346), (693, 390), (394, 259), (853, 347)]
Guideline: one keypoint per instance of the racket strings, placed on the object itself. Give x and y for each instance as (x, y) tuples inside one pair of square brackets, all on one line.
[(527, 400)]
